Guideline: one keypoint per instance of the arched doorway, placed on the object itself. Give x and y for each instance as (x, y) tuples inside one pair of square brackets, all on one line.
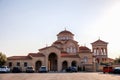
[(52, 62), (38, 65), (74, 63), (64, 65), (97, 60)]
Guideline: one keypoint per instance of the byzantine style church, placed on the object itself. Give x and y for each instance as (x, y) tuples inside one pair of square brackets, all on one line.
[(63, 53)]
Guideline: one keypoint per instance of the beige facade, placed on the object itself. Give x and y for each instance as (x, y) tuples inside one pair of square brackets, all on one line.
[(63, 53)]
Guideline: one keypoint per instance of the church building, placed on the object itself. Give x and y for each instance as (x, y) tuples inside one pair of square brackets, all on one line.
[(63, 53)]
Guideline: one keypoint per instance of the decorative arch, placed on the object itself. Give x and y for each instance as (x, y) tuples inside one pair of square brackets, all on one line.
[(64, 65), (38, 65), (52, 62)]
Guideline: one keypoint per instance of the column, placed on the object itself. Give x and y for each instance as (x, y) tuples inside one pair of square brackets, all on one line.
[(106, 51), (59, 64), (69, 63), (103, 51), (100, 51), (46, 62)]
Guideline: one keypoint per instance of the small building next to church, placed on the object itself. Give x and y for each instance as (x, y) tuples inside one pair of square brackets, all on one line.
[(63, 53)]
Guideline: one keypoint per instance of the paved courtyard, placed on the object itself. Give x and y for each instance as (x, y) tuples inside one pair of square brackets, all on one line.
[(59, 76)]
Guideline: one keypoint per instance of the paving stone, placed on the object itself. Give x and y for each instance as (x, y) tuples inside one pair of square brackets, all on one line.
[(59, 76)]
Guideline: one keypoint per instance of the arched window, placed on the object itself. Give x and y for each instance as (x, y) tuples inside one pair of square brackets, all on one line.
[(102, 59), (18, 64), (85, 59), (66, 37), (63, 38), (71, 50), (74, 50), (68, 50), (95, 51), (25, 64)]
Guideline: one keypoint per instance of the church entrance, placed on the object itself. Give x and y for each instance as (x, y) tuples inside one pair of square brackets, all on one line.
[(52, 62), (38, 65)]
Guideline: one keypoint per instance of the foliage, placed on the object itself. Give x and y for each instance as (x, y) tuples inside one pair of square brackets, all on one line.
[(3, 59), (117, 60)]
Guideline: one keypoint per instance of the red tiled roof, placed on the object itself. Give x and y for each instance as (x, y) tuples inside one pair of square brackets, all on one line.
[(36, 54), (65, 32), (69, 55), (19, 58), (44, 48), (84, 49), (26, 57), (57, 42), (99, 41), (49, 47), (110, 59)]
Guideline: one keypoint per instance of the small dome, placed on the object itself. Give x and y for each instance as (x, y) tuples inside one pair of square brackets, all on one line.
[(65, 32), (84, 49)]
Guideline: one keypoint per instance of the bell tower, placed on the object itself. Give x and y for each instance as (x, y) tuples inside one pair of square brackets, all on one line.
[(99, 49)]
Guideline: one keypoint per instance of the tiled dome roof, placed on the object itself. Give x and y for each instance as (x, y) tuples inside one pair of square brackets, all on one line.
[(65, 32), (57, 42), (84, 49)]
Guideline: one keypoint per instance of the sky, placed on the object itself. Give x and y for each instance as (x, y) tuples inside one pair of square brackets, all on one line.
[(28, 25)]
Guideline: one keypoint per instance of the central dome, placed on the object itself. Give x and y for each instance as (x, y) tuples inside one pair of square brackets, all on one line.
[(65, 35), (65, 32)]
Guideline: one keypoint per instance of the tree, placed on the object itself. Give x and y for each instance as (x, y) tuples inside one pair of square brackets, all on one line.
[(3, 59), (117, 60)]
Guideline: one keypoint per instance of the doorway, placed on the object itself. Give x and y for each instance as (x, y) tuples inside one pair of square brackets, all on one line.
[(38, 65), (52, 62)]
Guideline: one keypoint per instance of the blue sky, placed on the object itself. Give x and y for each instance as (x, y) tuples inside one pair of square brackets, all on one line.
[(28, 25)]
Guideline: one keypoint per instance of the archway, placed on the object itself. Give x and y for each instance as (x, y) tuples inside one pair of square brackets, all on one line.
[(97, 60), (52, 62), (38, 65), (74, 63), (64, 65)]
